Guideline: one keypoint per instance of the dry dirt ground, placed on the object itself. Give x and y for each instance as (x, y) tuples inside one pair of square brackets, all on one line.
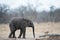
[(40, 29)]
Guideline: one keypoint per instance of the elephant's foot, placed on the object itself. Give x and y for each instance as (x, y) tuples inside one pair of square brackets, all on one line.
[(23, 37), (10, 37), (19, 37), (14, 37)]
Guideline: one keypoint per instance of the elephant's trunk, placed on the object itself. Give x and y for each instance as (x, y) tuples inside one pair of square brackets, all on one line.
[(33, 32)]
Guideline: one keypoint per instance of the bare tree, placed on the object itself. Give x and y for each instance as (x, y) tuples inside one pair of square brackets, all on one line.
[(3, 12)]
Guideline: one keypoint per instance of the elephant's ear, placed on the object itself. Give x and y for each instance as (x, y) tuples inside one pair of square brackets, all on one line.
[(24, 23)]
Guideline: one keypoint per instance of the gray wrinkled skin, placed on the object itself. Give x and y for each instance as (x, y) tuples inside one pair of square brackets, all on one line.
[(21, 24)]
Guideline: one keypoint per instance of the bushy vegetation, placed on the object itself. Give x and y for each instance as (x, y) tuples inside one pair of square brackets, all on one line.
[(28, 12)]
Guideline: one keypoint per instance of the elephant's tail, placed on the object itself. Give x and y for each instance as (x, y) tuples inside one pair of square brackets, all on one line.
[(33, 32)]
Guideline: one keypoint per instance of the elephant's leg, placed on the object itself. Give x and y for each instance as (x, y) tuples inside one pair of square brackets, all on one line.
[(24, 31), (20, 34), (11, 34), (14, 34)]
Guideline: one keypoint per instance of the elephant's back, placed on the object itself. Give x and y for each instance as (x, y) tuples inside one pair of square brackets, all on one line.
[(16, 21), (20, 21)]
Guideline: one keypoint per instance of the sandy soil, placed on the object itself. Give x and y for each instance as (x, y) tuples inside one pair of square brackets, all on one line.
[(40, 29)]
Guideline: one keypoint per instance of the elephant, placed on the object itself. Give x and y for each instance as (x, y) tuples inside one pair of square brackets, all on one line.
[(20, 24)]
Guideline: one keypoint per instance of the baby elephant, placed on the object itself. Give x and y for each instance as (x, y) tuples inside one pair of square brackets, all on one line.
[(21, 24)]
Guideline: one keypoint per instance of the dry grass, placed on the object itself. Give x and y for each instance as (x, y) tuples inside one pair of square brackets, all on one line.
[(40, 29)]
